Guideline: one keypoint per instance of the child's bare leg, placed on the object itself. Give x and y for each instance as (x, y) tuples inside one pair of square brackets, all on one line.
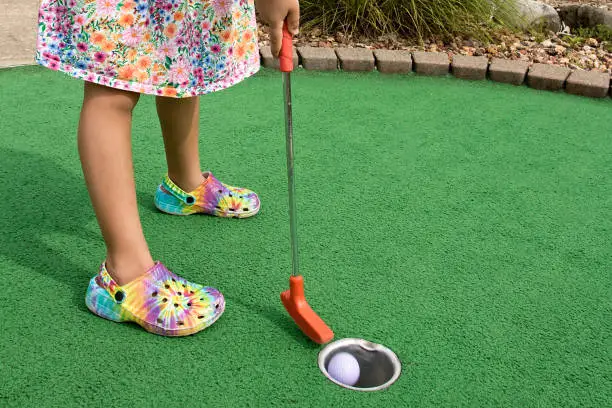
[(179, 119), (106, 156)]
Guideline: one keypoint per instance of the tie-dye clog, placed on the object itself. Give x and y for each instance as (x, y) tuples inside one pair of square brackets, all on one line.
[(159, 301), (211, 197)]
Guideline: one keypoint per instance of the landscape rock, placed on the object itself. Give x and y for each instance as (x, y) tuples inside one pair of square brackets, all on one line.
[(535, 14), (585, 16)]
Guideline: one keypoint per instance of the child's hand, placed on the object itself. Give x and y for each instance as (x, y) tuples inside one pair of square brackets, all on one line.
[(274, 13)]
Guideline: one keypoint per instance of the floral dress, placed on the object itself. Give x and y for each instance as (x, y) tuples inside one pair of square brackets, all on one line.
[(174, 48)]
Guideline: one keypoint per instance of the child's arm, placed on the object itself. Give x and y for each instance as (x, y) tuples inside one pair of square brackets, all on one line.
[(274, 13)]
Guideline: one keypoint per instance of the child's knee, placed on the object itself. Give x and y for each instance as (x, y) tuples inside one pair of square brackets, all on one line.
[(105, 98)]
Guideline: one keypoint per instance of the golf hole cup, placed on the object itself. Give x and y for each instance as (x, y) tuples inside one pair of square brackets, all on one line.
[(359, 365)]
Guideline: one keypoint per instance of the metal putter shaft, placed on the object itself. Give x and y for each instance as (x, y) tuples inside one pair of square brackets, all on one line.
[(294, 299)]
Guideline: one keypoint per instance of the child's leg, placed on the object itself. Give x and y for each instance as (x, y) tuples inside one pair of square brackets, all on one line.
[(106, 157), (179, 119)]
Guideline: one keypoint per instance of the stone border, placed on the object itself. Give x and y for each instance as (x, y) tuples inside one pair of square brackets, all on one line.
[(591, 84)]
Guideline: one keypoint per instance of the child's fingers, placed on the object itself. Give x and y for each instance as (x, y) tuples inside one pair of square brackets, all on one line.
[(276, 37), (293, 19)]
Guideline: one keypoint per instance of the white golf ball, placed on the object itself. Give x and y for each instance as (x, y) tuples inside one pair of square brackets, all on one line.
[(344, 368)]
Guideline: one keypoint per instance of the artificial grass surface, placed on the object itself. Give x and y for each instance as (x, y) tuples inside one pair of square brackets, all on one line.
[(465, 225)]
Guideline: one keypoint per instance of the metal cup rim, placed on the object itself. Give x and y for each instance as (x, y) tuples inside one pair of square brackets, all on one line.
[(366, 345)]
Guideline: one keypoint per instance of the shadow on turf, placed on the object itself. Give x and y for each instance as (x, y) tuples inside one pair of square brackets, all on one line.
[(278, 317), (39, 196), (275, 315), (145, 202)]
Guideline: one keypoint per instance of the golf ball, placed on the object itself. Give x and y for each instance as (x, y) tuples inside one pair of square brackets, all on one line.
[(344, 368)]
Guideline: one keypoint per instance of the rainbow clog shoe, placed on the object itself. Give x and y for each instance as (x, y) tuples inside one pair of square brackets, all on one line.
[(211, 197), (159, 301)]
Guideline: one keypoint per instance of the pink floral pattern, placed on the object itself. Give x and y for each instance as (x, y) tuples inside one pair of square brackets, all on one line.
[(175, 48)]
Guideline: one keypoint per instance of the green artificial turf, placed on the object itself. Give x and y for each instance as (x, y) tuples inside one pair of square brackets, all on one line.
[(465, 225)]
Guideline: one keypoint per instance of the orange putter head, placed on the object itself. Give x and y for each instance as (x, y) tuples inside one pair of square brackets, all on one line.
[(307, 320)]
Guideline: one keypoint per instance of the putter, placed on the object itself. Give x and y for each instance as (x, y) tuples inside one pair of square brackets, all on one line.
[(293, 299)]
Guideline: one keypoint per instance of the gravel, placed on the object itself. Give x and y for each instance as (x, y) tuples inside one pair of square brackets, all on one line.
[(590, 55), (562, 3)]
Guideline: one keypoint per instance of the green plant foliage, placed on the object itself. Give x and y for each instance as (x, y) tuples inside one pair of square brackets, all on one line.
[(601, 33), (416, 18)]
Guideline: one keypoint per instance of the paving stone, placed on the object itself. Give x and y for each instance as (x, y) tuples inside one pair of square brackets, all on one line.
[(356, 59), (466, 67), (547, 77), (269, 61), (18, 32), (431, 63), (508, 71), (318, 59), (393, 61), (588, 83)]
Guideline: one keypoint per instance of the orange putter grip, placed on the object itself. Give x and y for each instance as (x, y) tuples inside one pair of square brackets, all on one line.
[(286, 53)]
